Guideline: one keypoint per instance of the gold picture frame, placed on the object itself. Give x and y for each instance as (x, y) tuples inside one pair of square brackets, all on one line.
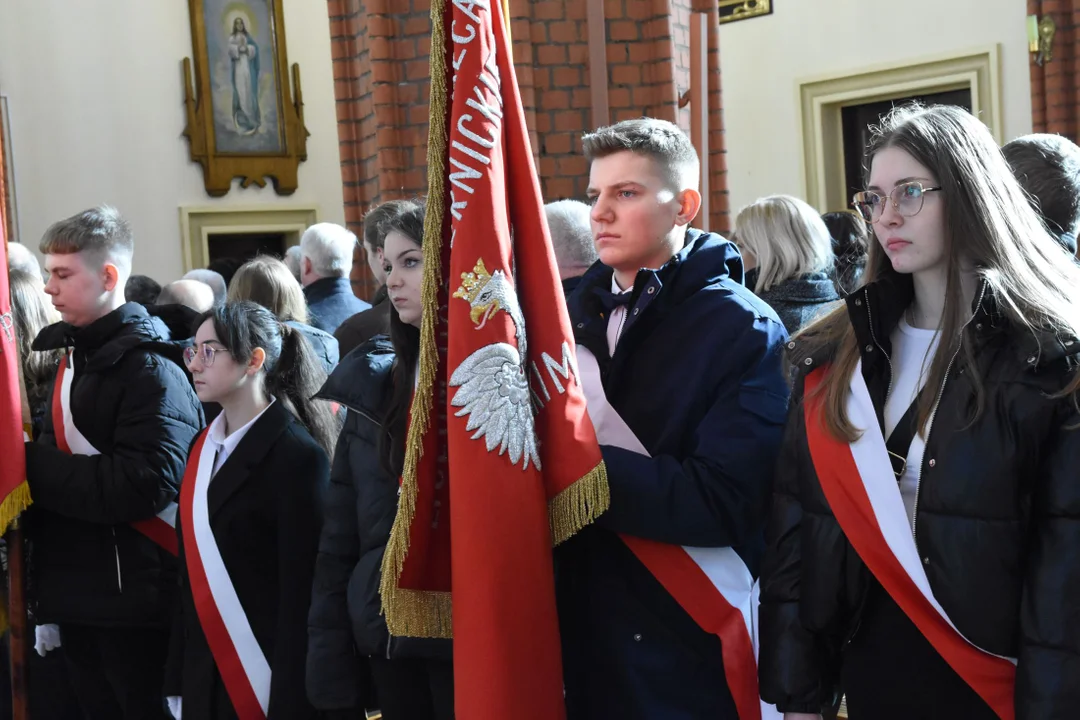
[(733, 10), (242, 119)]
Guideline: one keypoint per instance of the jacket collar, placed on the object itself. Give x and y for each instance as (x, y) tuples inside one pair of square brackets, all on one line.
[(103, 342), (324, 288), (705, 259), (875, 310), (810, 288), (359, 380), (253, 447)]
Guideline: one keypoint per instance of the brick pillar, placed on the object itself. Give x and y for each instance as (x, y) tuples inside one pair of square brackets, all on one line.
[(1054, 100), (380, 53), (680, 38), (720, 220)]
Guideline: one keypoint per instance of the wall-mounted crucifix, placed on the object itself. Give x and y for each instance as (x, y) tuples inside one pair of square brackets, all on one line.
[(732, 10)]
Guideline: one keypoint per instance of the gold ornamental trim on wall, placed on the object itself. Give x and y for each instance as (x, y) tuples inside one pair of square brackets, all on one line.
[(732, 10)]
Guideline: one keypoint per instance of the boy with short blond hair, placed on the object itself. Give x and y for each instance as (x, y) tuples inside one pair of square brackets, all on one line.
[(691, 363)]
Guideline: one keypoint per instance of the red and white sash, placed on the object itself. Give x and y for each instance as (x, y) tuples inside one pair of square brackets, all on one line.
[(861, 489), (160, 528), (241, 662), (713, 585)]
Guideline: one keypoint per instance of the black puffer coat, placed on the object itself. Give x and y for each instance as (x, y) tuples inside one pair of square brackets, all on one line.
[(138, 409), (345, 624), (997, 523)]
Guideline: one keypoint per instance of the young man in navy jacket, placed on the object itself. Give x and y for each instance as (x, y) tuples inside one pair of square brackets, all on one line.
[(692, 362)]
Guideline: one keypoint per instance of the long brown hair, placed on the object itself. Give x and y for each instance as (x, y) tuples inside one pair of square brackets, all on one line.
[(267, 281), (989, 223), (407, 219), (31, 312)]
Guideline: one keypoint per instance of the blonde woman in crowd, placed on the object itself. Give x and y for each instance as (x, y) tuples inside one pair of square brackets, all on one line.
[(788, 254), (267, 281)]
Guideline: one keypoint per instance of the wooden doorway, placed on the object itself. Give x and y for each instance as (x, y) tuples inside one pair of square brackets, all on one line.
[(857, 119)]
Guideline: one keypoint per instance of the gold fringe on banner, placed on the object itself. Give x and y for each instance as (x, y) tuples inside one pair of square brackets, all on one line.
[(13, 505), (579, 505), (417, 613)]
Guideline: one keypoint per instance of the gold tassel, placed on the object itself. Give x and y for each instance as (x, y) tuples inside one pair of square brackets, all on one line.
[(18, 500), (416, 613), (579, 505)]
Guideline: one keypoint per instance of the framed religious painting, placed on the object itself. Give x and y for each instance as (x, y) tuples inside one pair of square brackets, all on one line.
[(245, 110), (9, 208), (732, 10)]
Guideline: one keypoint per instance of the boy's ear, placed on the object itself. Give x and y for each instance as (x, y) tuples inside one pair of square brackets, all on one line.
[(112, 276), (689, 205)]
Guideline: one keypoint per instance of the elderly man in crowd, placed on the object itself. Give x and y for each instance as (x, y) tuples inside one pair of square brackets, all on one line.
[(326, 252), (571, 238)]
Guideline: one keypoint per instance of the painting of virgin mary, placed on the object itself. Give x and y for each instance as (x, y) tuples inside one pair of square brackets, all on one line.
[(243, 76), (244, 57)]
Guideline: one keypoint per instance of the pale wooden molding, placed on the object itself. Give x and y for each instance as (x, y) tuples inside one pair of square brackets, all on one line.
[(821, 99), (198, 223)]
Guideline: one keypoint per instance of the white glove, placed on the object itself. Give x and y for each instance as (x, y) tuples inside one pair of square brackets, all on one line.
[(174, 705), (46, 638)]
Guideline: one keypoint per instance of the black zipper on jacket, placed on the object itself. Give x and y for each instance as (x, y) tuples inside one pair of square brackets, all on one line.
[(116, 551), (870, 320), (933, 414)]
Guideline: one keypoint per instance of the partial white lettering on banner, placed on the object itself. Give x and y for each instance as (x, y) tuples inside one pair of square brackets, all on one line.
[(476, 135)]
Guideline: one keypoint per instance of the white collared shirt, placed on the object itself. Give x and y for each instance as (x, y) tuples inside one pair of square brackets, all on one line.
[(617, 319), (226, 445)]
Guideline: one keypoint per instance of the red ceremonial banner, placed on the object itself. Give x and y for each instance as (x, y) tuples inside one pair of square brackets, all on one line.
[(14, 492), (502, 460)]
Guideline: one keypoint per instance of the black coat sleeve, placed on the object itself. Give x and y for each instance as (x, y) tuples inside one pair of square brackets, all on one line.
[(714, 497), (1048, 669), (300, 492), (334, 668), (792, 666), (157, 419)]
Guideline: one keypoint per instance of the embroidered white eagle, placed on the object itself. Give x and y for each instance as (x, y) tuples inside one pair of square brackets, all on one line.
[(493, 386)]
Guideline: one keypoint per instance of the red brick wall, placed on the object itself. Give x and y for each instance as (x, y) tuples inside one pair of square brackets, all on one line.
[(381, 47), (720, 220), (680, 29), (1054, 100), (551, 57), (380, 53)]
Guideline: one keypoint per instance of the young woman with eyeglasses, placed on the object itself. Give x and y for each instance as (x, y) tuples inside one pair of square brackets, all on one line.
[(923, 549), (249, 520)]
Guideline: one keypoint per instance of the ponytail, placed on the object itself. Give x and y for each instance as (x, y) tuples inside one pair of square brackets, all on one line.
[(292, 371), (295, 379)]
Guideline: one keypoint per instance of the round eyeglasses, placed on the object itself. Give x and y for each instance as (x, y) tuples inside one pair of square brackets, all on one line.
[(204, 352), (906, 198)]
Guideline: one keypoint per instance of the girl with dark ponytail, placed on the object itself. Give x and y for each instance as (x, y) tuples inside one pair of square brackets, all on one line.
[(249, 521)]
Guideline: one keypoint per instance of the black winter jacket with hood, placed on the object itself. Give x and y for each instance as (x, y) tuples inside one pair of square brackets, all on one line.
[(139, 410), (997, 521)]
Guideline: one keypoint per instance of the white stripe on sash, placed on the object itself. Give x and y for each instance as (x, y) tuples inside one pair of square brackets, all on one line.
[(79, 445), (76, 440), (723, 566), (222, 591), (875, 470)]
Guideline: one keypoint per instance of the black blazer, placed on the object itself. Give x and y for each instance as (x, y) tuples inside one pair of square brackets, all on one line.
[(266, 514)]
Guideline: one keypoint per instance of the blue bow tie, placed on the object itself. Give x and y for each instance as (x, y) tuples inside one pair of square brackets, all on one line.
[(610, 300)]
